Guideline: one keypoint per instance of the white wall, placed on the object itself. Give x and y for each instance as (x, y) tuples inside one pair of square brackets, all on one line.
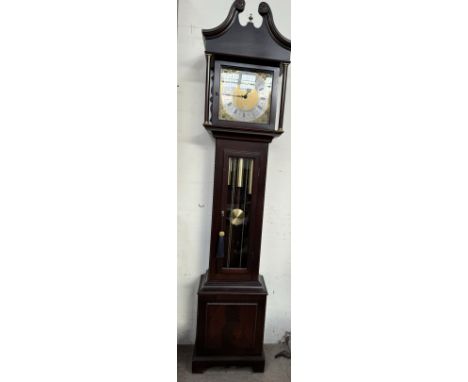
[(195, 154)]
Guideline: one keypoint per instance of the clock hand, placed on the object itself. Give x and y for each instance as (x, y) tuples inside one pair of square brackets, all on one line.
[(246, 93), (233, 95)]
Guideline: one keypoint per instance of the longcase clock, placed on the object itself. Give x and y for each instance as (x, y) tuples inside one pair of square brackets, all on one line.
[(246, 75)]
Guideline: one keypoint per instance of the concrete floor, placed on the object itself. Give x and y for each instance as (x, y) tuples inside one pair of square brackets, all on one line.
[(276, 369)]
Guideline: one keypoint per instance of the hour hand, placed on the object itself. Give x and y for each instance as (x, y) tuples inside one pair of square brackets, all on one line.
[(234, 95), (246, 93)]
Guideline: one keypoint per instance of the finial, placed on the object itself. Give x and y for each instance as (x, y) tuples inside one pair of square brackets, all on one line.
[(263, 8), (239, 4)]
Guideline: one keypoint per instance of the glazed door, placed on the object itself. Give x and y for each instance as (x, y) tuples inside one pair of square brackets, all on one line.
[(237, 210)]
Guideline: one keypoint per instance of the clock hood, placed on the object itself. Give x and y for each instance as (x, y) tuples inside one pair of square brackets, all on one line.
[(232, 39)]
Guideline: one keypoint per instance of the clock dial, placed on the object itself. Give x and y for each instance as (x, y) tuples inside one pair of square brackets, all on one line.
[(245, 95)]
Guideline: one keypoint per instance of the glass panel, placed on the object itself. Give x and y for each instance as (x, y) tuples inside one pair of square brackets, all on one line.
[(237, 215), (245, 95)]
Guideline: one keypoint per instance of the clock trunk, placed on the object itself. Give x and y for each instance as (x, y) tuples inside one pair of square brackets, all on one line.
[(238, 198)]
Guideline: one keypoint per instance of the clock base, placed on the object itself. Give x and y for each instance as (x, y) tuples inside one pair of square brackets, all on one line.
[(201, 363), (230, 324)]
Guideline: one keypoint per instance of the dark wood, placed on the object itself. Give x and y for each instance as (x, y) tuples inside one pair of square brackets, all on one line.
[(230, 325), (201, 363), (263, 48), (265, 10), (231, 38), (247, 149), (236, 8), (232, 301), (251, 135)]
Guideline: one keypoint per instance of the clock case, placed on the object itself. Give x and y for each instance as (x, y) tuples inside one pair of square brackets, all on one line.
[(232, 300)]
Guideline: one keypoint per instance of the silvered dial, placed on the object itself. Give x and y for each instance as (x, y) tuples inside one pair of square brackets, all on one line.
[(245, 95)]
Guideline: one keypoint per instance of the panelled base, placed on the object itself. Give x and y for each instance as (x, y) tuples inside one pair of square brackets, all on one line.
[(230, 325)]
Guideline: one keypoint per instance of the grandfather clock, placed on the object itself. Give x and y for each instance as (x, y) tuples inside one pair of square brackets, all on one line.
[(246, 74)]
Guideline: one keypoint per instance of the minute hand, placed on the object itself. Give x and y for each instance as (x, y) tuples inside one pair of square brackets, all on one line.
[(233, 95)]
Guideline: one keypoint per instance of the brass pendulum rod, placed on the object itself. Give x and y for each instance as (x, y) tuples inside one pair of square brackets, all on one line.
[(246, 186), (240, 214), (233, 163), (238, 180)]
